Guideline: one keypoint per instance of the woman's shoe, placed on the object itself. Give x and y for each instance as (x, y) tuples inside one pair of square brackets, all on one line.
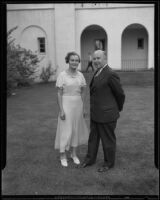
[(75, 160), (64, 162)]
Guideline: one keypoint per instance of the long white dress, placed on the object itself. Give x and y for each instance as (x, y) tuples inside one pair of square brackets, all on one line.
[(72, 131)]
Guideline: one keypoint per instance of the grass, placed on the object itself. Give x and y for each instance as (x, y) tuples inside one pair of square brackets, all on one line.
[(33, 166), (139, 78)]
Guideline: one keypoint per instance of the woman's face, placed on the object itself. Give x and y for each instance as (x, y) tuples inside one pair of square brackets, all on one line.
[(74, 61)]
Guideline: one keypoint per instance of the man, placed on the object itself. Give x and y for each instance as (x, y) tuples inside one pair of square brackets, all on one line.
[(89, 63), (106, 101)]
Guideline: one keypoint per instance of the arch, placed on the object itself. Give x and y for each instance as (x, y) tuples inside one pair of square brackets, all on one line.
[(29, 35), (134, 25), (90, 36), (39, 27), (134, 47), (92, 26)]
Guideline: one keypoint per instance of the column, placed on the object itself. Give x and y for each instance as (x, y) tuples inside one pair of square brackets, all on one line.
[(64, 32), (151, 49), (114, 50)]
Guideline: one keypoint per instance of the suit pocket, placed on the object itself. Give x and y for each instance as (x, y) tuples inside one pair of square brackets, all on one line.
[(107, 109)]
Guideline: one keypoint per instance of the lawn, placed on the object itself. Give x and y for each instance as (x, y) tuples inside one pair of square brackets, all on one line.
[(33, 166)]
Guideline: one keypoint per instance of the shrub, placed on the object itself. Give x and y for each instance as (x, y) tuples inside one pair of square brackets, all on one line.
[(27, 67), (21, 64), (47, 73)]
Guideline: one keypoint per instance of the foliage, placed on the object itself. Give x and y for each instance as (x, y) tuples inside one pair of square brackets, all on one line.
[(21, 64), (47, 73)]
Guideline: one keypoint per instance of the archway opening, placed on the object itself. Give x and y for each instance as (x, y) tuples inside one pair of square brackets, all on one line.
[(93, 37), (134, 48), (134, 52)]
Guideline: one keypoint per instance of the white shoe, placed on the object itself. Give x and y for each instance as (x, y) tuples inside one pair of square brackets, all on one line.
[(75, 160), (64, 162)]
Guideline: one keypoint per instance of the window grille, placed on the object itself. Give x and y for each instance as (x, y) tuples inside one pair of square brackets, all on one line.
[(41, 45)]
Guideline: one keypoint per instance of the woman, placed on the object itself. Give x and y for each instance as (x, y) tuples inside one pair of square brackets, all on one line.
[(71, 129)]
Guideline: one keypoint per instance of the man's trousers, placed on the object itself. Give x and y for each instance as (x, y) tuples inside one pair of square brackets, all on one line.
[(105, 132)]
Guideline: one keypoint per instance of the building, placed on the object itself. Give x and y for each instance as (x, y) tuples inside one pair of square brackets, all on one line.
[(124, 31)]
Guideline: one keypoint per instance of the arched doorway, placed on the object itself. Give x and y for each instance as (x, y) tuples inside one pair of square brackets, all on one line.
[(93, 37), (134, 52)]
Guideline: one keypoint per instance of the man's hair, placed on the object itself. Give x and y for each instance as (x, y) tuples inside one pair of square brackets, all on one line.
[(104, 52), (72, 53)]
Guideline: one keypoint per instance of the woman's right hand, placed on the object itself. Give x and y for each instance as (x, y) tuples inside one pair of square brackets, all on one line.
[(62, 115)]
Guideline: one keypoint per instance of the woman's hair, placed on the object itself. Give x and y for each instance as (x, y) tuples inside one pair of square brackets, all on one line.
[(72, 53)]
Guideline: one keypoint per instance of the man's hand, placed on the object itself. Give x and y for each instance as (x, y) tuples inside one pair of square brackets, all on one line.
[(62, 115)]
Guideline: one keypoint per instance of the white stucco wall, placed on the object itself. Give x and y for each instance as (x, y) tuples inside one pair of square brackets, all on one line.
[(64, 32), (63, 24), (37, 17), (114, 21)]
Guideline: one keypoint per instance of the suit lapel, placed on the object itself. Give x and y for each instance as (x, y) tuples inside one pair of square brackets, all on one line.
[(91, 83), (99, 78)]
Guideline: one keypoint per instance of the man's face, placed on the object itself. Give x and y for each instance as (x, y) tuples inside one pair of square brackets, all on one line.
[(98, 59)]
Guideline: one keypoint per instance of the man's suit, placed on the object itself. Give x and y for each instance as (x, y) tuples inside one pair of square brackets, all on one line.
[(106, 101)]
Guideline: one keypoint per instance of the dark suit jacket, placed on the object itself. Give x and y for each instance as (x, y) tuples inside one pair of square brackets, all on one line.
[(106, 96)]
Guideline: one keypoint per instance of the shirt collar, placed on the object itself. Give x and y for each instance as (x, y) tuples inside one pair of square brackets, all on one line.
[(103, 67)]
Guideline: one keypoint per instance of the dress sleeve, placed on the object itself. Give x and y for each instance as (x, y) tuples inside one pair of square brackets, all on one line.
[(83, 81), (60, 81)]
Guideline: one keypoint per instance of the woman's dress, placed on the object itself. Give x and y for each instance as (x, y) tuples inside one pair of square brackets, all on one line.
[(72, 131)]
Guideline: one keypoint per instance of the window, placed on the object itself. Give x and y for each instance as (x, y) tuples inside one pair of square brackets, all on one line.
[(41, 45), (140, 43), (100, 44)]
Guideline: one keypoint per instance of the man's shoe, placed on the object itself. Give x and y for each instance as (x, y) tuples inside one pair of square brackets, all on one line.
[(83, 165), (86, 164), (103, 169)]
